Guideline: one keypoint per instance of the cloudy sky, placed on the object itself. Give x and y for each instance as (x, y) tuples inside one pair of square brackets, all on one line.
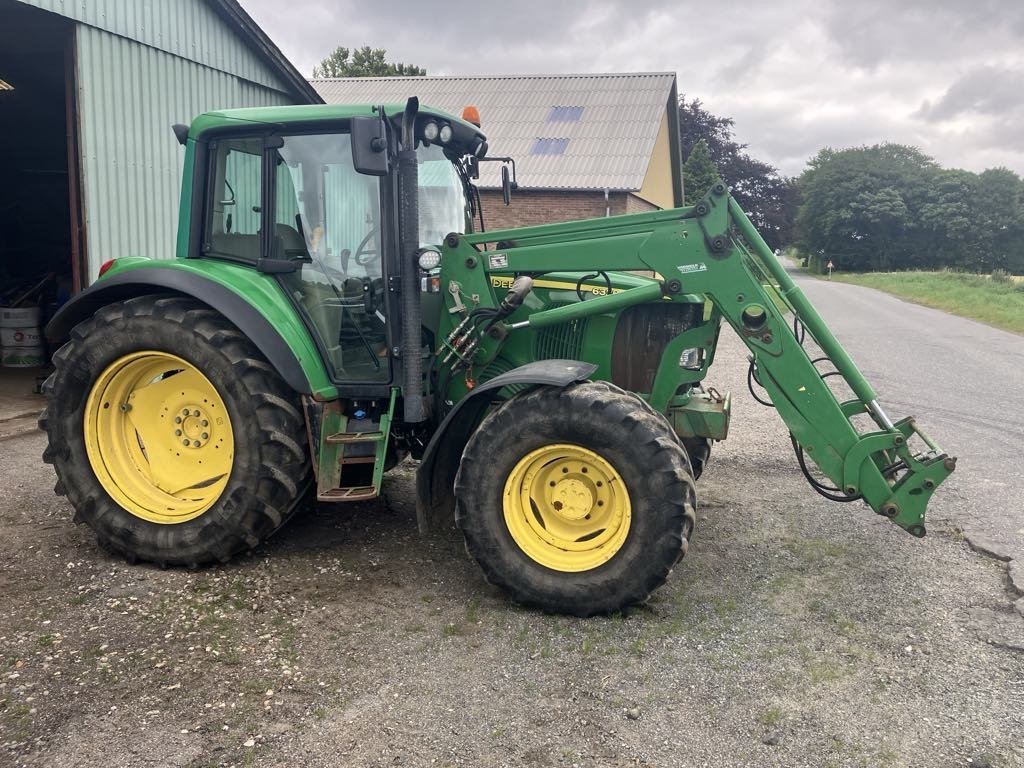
[(944, 75)]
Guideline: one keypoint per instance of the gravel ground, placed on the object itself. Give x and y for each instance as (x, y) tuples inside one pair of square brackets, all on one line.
[(795, 633)]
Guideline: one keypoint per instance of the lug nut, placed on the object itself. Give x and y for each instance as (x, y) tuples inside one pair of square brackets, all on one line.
[(195, 443), (185, 443), (177, 432), (177, 419), (205, 423), (185, 412), (195, 412), (206, 435)]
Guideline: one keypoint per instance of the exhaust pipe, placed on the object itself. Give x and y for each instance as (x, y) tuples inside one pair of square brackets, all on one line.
[(409, 220)]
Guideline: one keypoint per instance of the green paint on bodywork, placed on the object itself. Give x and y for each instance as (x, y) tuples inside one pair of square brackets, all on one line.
[(299, 113), (265, 295)]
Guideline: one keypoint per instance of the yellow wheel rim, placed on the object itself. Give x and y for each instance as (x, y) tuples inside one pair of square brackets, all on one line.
[(158, 437), (567, 508)]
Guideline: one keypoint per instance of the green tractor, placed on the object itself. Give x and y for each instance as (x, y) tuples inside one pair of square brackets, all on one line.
[(330, 312)]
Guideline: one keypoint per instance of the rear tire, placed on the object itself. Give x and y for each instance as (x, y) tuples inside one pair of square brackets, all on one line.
[(151, 341), (577, 500)]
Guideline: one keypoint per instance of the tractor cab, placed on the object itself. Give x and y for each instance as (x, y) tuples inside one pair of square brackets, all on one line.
[(312, 201)]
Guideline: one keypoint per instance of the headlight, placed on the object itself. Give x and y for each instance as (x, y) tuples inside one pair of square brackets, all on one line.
[(430, 131), (428, 259), (445, 133), (692, 359)]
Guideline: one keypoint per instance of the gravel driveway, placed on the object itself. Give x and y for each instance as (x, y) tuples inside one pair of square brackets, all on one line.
[(795, 633)]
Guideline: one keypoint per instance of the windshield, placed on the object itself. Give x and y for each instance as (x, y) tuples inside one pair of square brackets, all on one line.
[(442, 198)]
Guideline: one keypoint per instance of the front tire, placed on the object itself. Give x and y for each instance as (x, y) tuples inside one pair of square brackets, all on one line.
[(171, 436), (577, 500)]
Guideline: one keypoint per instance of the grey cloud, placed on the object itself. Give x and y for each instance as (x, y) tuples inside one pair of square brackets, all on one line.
[(751, 57), (871, 33), (986, 90)]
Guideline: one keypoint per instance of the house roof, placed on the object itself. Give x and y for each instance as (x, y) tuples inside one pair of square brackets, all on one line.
[(582, 132), (235, 16)]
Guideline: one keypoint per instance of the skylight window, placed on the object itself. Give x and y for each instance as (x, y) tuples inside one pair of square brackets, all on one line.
[(542, 146), (565, 114)]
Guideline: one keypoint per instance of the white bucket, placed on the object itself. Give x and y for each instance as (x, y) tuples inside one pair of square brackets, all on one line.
[(22, 357), (22, 317), (20, 337), (21, 341)]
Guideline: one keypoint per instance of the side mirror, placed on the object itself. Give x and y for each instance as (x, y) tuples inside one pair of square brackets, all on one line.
[(506, 185), (369, 146)]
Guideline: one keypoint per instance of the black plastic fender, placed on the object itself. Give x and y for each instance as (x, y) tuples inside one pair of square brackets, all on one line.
[(435, 477), (144, 281)]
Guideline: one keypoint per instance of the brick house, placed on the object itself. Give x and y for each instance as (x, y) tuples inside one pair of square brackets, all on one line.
[(585, 146)]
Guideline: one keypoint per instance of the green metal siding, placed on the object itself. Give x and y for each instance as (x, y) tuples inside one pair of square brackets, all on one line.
[(128, 96), (189, 29)]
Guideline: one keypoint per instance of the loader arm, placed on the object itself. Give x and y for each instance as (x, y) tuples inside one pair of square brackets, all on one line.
[(713, 249)]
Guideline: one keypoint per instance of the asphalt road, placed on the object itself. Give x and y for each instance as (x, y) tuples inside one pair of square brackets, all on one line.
[(963, 381)]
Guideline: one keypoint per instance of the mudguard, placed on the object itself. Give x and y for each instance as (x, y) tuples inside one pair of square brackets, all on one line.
[(436, 474), (149, 280)]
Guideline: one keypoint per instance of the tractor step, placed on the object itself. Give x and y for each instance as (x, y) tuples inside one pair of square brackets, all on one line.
[(351, 461), (355, 493), (349, 438)]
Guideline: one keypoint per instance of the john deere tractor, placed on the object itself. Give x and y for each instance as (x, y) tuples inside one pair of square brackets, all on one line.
[(330, 312)]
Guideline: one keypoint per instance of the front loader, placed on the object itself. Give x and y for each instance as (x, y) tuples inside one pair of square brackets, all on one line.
[(330, 312)]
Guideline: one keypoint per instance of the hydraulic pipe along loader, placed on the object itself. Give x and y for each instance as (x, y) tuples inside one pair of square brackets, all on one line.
[(330, 311)]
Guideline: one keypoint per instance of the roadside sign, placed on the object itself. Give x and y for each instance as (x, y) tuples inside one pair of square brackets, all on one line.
[(830, 268)]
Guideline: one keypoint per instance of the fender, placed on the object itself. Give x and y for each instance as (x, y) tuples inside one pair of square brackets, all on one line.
[(149, 280), (436, 474)]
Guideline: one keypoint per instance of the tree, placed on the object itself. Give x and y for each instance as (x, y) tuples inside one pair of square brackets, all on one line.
[(769, 198), (1000, 215), (364, 62), (699, 173), (861, 207)]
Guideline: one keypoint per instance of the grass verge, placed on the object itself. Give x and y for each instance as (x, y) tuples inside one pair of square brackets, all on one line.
[(995, 300)]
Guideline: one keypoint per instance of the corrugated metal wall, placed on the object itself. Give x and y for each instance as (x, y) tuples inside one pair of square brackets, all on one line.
[(189, 29), (144, 65), (129, 96)]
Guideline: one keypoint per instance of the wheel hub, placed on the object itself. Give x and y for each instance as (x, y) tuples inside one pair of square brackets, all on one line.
[(566, 507), (158, 437), (193, 427), (572, 499)]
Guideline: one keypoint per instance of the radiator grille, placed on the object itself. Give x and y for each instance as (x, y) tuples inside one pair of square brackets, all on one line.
[(561, 342), (641, 336)]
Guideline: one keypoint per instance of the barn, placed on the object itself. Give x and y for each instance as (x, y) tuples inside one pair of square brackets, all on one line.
[(89, 90)]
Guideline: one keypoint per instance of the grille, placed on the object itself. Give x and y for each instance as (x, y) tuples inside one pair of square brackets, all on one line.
[(560, 342), (641, 336)]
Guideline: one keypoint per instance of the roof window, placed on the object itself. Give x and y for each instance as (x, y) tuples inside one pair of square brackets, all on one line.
[(542, 146), (565, 114)]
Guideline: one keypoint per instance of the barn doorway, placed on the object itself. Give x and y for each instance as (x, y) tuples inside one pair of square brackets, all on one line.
[(41, 256)]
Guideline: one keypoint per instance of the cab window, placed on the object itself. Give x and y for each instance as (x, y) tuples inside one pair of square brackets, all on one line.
[(234, 209)]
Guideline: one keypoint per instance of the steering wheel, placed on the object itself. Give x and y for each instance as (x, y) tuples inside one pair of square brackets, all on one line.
[(362, 255)]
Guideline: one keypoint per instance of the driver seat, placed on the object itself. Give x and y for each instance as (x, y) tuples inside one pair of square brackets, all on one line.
[(289, 244)]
